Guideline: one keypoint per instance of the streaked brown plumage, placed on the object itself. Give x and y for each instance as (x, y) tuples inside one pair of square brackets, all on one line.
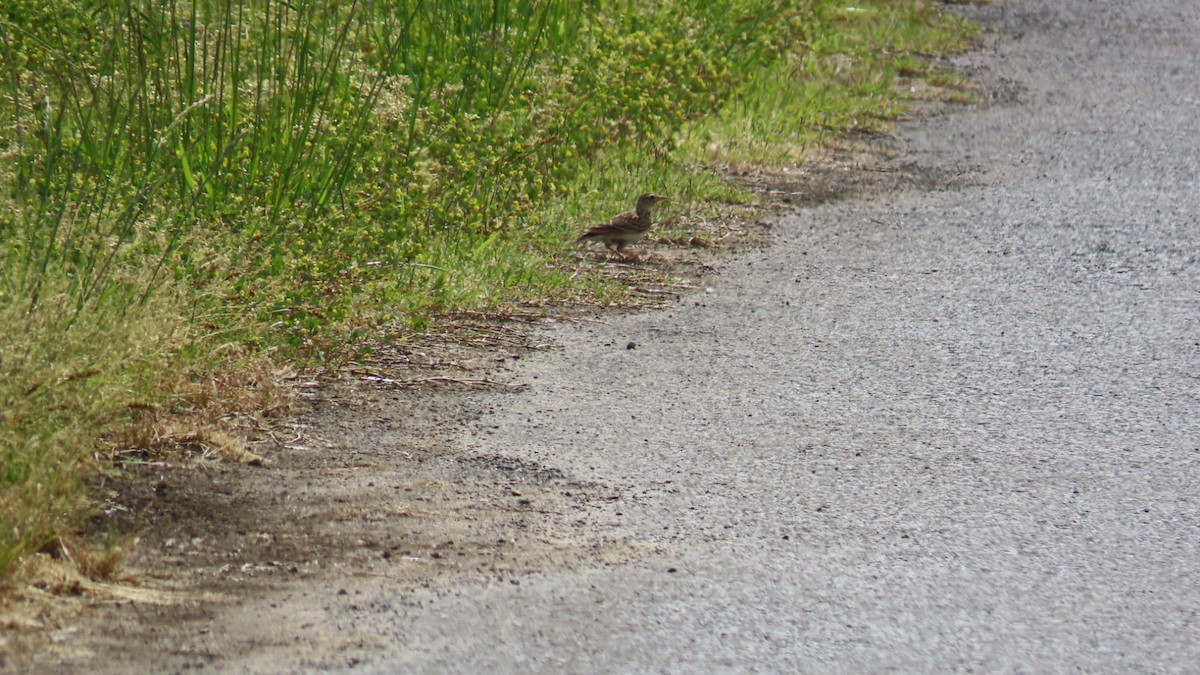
[(626, 228)]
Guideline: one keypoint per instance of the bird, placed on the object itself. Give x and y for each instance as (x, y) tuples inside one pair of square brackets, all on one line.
[(625, 228)]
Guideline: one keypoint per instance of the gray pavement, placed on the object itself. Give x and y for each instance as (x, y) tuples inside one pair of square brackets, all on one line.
[(925, 431)]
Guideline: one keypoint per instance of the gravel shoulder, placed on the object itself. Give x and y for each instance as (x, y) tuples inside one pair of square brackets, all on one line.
[(945, 423)]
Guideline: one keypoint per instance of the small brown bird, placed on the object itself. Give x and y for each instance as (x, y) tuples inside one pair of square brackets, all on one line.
[(625, 228)]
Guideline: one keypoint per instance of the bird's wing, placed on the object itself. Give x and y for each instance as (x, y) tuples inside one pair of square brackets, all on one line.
[(626, 222)]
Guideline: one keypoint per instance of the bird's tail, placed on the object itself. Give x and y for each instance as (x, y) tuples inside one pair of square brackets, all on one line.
[(585, 236)]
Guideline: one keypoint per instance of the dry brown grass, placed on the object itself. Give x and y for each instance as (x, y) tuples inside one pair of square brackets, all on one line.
[(221, 414), (225, 414)]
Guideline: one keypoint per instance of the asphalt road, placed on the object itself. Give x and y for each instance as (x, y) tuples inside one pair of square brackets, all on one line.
[(924, 431)]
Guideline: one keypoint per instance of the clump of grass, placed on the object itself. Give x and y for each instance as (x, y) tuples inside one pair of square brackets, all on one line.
[(840, 79), (64, 379), (188, 185)]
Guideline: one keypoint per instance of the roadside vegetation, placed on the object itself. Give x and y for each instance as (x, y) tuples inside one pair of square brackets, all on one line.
[(195, 192)]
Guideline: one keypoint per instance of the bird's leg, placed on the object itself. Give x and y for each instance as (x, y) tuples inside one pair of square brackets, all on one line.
[(620, 250)]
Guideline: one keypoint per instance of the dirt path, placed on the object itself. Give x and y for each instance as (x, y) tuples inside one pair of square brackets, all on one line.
[(948, 424)]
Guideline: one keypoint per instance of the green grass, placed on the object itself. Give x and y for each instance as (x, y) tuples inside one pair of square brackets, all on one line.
[(841, 79), (186, 180)]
